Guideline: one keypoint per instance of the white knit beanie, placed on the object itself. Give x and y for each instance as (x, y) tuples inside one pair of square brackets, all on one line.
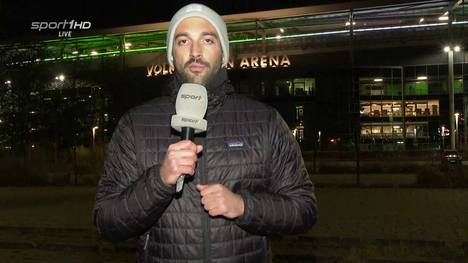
[(202, 11)]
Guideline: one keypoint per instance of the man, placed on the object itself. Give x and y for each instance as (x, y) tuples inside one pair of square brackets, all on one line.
[(248, 175)]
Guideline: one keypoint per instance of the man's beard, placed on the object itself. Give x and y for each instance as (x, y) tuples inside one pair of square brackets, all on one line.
[(194, 78)]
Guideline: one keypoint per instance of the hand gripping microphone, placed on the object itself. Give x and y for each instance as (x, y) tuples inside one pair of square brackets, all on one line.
[(191, 104)]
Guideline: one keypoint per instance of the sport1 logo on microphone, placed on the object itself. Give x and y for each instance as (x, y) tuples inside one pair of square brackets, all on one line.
[(189, 120), (189, 96)]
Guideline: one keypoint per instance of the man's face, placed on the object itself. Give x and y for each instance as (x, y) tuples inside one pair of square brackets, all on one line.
[(197, 51)]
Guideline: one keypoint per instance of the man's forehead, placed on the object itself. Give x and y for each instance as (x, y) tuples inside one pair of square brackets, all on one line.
[(196, 24)]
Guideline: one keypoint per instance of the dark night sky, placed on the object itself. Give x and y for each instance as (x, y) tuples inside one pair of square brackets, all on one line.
[(16, 15)]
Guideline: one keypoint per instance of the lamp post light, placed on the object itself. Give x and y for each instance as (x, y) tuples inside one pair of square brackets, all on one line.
[(60, 78), (456, 128), (451, 83), (443, 136), (94, 134)]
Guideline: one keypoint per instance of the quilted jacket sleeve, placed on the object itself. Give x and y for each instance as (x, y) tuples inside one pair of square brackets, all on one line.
[(128, 202), (289, 206)]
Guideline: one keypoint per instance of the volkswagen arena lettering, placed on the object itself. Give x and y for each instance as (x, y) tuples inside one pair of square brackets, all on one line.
[(264, 61), (157, 70)]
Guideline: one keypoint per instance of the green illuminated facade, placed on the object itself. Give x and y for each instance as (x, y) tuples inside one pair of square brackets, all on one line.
[(385, 79)]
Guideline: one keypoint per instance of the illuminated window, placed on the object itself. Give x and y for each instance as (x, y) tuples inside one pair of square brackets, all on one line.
[(299, 132), (371, 86), (299, 113), (304, 87), (386, 109), (397, 130), (396, 108), (387, 130), (422, 108), (377, 130), (376, 109), (416, 88), (294, 87), (433, 106), (366, 131), (365, 108)]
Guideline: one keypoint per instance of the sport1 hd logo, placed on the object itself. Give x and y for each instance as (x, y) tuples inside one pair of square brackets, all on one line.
[(65, 27)]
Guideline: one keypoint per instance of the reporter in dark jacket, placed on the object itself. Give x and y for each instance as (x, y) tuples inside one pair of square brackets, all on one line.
[(248, 175)]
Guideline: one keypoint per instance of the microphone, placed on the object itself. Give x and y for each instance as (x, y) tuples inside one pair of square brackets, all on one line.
[(191, 105)]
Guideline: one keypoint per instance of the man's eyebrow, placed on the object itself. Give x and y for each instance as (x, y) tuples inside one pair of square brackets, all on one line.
[(185, 34), (210, 34), (182, 34)]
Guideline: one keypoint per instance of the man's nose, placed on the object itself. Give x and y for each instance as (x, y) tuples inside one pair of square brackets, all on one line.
[(195, 50)]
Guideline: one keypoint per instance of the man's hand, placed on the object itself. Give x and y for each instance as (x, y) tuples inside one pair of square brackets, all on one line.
[(180, 159), (219, 200)]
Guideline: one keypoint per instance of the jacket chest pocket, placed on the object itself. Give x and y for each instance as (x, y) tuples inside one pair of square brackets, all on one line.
[(238, 162)]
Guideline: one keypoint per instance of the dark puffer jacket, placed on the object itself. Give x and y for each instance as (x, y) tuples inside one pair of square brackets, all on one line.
[(248, 148)]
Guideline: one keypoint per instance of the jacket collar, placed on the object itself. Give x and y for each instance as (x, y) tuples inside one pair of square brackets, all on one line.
[(218, 88)]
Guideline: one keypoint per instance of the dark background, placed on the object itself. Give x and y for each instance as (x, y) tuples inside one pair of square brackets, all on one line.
[(16, 16)]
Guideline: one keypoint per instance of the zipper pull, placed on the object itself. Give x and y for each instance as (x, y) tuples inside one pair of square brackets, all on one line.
[(146, 241)]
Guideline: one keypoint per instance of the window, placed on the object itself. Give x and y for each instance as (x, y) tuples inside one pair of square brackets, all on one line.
[(376, 130), (298, 132), (386, 109), (371, 87), (375, 109), (396, 108), (397, 130), (393, 89), (293, 87), (365, 108), (422, 108), (458, 86), (387, 130), (282, 88), (366, 131), (304, 87), (416, 88), (433, 106), (389, 108), (299, 113), (416, 130)]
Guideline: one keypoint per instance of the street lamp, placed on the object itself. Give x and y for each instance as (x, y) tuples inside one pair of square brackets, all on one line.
[(60, 77), (456, 126), (451, 83), (443, 135), (94, 134)]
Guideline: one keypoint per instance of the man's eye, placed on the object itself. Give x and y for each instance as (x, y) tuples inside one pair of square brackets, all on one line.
[(208, 41), (182, 42)]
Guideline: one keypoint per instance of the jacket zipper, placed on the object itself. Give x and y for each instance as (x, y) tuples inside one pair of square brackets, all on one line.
[(146, 246), (205, 216)]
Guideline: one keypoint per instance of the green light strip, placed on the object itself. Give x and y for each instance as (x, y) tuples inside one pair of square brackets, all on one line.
[(237, 41), (108, 53), (145, 49), (246, 40), (151, 49)]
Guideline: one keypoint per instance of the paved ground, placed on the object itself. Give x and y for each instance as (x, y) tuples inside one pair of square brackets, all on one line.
[(53, 224), (366, 179)]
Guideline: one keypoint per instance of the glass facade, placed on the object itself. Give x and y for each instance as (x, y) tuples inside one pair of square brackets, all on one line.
[(296, 87), (374, 81)]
